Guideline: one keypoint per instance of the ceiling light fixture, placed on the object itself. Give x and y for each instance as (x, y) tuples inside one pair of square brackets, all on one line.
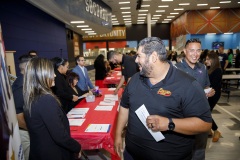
[(142, 14), (174, 13), (178, 9), (82, 26), (165, 21), (86, 29), (157, 15), (141, 17), (184, 4), (89, 31), (127, 16), (225, 2), (228, 33), (167, 0), (160, 10), (77, 22), (170, 16), (163, 6), (123, 2), (145, 5), (214, 7), (202, 4), (142, 10), (125, 12), (125, 8)]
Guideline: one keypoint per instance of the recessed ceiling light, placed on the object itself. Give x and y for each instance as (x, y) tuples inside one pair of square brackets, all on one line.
[(77, 22), (125, 12), (113, 16), (142, 10), (170, 16), (127, 16), (128, 24), (124, 2), (160, 10), (86, 29), (174, 13), (114, 19), (165, 21), (166, 0), (238, 2), (178, 9), (214, 7), (145, 5), (141, 17), (92, 33), (127, 19), (225, 2), (82, 26), (142, 14), (115, 24), (89, 31), (157, 15), (147, 0), (210, 33), (202, 4), (155, 20), (140, 20), (228, 33), (184, 4), (163, 6), (125, 7)]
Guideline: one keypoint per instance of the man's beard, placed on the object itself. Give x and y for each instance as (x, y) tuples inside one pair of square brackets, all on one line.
[(146, 69)]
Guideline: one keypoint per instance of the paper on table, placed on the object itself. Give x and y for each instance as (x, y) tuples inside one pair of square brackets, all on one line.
[(76, 122), (104, 108), (98, 128), (111, 96), (109, 77), (110, 103), (111, 89), (81, 97), (142, 114), (75, 116), (82, 111), (207, 90)]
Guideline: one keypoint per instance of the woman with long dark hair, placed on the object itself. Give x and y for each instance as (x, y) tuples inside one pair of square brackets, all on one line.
[(100, 71), (46, 121), (215, 77)]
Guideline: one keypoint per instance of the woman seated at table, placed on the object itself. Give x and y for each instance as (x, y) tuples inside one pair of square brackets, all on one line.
[(72, 79), (46, 121), (61, 88)]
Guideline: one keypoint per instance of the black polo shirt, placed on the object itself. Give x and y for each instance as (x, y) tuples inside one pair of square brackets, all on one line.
[(187, 99), (128, 66)]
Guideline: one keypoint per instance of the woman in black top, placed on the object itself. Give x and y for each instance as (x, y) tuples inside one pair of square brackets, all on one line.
[(61, 88), (46, 121), (100, 71), (215, 77), (72, 79)]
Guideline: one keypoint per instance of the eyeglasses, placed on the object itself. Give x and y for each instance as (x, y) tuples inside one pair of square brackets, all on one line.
[(194, 40), (193, 50)]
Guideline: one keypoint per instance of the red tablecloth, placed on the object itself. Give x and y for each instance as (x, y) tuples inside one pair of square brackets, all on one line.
[(92, 140), (117, 69), (114, 78)]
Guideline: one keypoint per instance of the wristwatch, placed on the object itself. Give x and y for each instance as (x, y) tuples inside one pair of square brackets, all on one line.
[(171, 125)]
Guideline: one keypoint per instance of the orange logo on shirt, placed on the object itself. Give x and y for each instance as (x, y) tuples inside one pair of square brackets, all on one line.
[(163, 92)]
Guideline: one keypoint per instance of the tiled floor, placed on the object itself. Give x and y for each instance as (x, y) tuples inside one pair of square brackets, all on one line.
[(227, 116)]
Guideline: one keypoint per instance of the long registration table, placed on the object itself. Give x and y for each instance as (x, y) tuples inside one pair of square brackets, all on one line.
[(97, 140), (114, 78)]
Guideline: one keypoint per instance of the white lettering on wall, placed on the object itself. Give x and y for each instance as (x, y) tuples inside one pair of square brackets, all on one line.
[(97, 10)]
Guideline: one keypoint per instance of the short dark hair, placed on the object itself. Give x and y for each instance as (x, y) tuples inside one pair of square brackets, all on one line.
[(24, 58), (193, 40), (71, 76), (110, 54), (151, 44), (77, 59)]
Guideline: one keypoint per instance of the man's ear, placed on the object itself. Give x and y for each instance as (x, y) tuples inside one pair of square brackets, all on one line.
[(154, 57)]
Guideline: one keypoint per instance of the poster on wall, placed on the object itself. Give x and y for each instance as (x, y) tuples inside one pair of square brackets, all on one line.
[(10, 143)]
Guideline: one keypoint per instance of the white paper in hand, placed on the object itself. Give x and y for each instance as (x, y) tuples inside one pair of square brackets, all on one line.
[(207, 90), (142, 114)]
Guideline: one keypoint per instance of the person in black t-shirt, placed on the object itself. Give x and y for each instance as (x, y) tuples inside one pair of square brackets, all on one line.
[(176, 103), (128, 66)]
